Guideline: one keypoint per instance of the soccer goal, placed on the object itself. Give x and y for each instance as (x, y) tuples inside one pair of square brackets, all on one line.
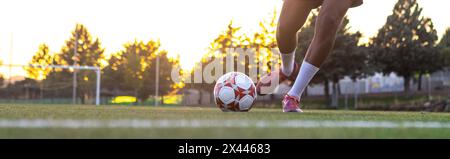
[(15, 81)]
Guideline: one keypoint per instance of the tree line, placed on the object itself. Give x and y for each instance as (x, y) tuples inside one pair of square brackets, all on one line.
[(407, 45), (130, 71)]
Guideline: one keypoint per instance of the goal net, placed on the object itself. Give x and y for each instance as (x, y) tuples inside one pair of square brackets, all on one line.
[(50, 84)]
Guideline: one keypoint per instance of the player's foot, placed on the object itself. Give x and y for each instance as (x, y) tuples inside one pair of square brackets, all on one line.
[(291, 104), (266, 80)]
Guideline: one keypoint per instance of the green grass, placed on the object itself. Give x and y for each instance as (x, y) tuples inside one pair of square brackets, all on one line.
[(367, 101), (17, 112)]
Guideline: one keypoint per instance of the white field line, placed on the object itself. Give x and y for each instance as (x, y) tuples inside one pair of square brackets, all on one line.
[(138, 123)]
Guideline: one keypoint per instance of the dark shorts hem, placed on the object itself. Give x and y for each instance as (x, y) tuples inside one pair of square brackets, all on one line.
[(318, 3)]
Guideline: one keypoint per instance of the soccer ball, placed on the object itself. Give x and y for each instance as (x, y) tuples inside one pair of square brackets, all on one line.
[(235, 91)]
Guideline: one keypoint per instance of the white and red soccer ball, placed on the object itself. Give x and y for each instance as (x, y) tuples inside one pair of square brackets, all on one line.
[(235, 91)]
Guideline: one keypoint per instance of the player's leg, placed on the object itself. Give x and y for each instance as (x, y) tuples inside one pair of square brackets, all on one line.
[(328, 22), (292, 17), (327, 25)]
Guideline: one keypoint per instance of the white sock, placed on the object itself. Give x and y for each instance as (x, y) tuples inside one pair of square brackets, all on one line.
[(307, 72), (287, 63)]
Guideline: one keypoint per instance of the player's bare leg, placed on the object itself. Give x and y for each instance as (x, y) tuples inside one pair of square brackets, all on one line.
[(327, 25), (292, 17)]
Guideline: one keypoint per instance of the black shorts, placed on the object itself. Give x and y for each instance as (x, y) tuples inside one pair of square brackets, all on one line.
[(357, 3), (317, 3)]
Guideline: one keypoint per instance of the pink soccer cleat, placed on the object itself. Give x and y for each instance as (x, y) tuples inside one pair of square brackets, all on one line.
[(291, 104)]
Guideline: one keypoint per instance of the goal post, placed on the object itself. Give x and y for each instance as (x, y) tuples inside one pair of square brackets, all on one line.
[(93, 68)]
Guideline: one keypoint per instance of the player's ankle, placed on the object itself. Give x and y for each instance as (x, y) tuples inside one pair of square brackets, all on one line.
[(296, 96)]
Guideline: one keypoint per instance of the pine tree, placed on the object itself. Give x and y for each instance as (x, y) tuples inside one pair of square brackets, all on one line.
[(405, 44), (88, 53), (89, 50)]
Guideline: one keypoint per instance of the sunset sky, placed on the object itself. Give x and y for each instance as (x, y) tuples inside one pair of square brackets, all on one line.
[(185, 27)]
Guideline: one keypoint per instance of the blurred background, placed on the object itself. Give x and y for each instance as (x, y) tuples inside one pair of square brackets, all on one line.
[(389, 54)]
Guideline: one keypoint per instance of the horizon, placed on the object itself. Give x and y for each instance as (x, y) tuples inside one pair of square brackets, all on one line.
[(187, 35)]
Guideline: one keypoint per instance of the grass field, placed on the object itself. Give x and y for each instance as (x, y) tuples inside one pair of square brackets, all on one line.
[(69, 121)]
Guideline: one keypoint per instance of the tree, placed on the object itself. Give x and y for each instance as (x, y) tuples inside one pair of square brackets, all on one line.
[(405, 44), (89, 50), (166, 85), (445, 39), (134, 69), (134, 60), (88, 53), (41, 57), (444, 47), (113, 75)]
